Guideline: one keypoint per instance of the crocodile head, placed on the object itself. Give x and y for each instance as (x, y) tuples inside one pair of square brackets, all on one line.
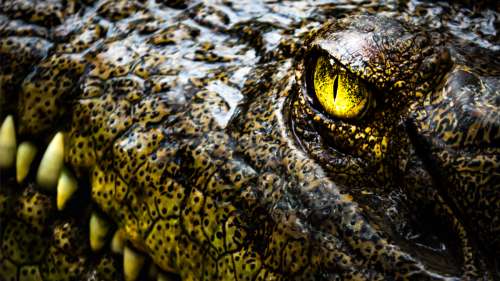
[(361, 148)]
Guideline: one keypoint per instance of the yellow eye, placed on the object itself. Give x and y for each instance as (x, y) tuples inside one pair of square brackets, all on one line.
[(341, 94)]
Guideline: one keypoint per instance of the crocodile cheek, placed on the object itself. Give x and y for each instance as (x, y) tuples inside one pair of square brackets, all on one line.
[(166, 210)]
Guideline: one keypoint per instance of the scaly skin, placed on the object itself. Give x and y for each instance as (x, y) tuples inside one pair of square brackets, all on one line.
[(194, 131)]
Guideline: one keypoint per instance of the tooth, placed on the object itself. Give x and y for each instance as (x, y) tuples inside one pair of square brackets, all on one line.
[(26, 152), (132, 264), (118, 241), (66, 186), (52, 162), (99, 229), (7, 143)]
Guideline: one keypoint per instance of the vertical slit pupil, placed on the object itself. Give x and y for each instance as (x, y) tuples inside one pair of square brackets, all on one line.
[(335, 87)]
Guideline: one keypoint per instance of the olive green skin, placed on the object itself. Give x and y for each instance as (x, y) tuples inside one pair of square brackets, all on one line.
[(201, 138)]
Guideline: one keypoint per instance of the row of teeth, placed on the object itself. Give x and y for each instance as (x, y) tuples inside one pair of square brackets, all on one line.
[(51, 171), (52, 174)]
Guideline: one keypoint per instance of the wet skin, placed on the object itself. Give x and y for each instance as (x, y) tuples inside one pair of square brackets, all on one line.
[(207, 136)]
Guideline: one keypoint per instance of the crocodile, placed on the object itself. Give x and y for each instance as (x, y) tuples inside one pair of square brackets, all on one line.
[(235, 140)]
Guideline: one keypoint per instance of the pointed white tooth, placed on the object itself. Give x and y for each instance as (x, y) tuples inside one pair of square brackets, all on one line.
[(99, 228), (132, 264), (51, 163), (26, 152), (7, 143), (118, 241), (66, 186)]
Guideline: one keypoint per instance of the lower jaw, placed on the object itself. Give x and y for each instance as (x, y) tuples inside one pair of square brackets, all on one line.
[(49, 226)]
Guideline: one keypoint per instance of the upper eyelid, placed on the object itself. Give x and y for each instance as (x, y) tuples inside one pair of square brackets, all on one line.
[(316, 51)]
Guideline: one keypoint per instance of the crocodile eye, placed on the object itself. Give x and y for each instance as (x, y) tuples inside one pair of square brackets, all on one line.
[(339, 92)]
